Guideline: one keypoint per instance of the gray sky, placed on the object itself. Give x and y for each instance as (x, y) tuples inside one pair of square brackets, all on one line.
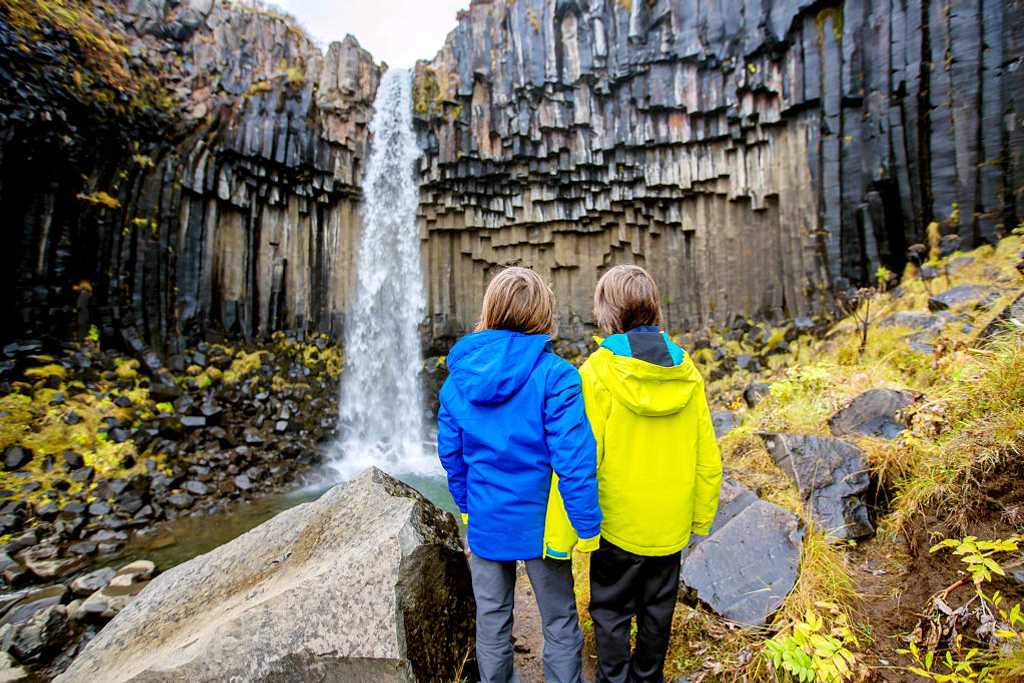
[(395, 31)]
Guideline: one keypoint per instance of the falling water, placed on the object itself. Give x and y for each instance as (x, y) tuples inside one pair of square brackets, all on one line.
[(381, 412)]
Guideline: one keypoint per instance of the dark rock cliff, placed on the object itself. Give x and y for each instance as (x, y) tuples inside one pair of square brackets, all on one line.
[(224, 202), (195, 171), (750, 153)]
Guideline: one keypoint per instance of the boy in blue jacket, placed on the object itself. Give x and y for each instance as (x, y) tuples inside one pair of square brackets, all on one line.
[(511, 417)]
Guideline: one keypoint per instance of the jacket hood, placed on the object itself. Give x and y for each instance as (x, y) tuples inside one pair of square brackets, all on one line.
[(645, 388), (490, 366)]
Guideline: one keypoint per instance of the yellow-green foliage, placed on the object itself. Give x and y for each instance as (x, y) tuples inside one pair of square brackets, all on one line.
[(242, 366), (103, 49), (45, 372), (126, 368), (972, 425), (30, 421)]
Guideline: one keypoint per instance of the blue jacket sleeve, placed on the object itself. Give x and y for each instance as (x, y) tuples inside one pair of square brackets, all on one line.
[(573, 451), (449, 449)]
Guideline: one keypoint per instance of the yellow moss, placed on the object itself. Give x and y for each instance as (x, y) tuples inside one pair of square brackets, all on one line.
[(193, 371), (214, 374), (126, 368), (244, 364), (47, 371)]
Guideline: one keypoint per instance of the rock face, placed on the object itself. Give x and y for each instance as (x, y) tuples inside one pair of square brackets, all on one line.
[(833, 479), (747, 153), (750, 154), (749, 563), (873, 413), (368, 583)]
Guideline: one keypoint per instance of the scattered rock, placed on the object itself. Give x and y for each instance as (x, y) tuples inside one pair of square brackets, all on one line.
[(180, 500), (755, 393), (196, 487), (10, 672), (93, 581), (16, 457), (401, 610), (242, 483), (1015, 311), (749, 563), (833, 478), (725, 421), (873, 413), (41, 634), (962, 295)]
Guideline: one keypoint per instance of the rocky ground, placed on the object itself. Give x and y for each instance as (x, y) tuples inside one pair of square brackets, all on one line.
[(99, 445)]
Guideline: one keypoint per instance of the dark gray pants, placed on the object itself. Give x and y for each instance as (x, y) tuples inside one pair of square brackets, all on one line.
[(494, 585)]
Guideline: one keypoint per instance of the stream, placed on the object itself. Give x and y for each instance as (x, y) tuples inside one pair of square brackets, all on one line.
[(172, 543)]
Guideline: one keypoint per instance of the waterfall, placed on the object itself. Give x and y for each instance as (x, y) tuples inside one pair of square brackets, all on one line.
[(381, 408)]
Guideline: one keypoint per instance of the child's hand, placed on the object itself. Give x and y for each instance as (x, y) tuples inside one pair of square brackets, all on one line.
[(589, 545)]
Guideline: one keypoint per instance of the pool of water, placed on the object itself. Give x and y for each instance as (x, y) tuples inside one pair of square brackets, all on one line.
[(175, 542)]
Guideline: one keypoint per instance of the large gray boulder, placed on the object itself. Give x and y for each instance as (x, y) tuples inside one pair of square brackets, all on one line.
[(368, 583), (749, 563), (876, 412), (833, 478)]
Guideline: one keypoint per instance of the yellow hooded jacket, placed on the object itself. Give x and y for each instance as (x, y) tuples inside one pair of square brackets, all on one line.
[(658, 466)]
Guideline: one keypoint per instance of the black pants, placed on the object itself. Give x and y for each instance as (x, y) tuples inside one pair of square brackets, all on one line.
[(623, 585)]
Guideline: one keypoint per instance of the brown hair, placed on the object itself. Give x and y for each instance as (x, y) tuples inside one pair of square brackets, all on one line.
[(626, 297), (518, 299)]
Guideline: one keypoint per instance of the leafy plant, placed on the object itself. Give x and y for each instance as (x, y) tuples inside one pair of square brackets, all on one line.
[(810, 653), (93, 335), (978, 554)]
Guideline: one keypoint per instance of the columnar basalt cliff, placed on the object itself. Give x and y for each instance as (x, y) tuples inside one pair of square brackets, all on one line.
[(224, 202), (751, 154)]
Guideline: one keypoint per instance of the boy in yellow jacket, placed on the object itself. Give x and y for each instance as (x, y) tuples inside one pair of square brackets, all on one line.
[(658, 470)]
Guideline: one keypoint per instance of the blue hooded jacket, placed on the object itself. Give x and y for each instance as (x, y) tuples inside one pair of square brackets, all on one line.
[(511, 413)]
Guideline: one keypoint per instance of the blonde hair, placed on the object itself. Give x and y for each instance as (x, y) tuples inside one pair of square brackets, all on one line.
[(517, 299), (626, 297)]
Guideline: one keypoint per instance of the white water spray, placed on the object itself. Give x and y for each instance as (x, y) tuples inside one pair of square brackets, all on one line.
[(381, 409)]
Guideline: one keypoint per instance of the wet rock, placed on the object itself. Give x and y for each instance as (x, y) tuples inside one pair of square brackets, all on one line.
[(873, 413), (833, 478), (16, 457), (139, 570), (44, 633), (72, 418), (196, 488), (402, 609), (961, 296), (99, 509), (725, 421), (181, 501), (755, 392), (749, 563), (243, 483), (10, 672), (193, 421), (31, 601), (83, 548), (93, 581)]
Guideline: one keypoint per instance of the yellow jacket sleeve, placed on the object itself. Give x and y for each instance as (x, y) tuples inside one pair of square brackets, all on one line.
[(709, 471)]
